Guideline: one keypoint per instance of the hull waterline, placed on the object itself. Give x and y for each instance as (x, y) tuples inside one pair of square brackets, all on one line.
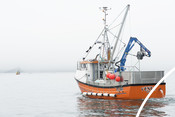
[(135, 91)]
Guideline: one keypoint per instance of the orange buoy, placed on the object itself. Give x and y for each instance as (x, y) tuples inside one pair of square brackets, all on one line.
[(107, 75), (112, 76), (119, 79)]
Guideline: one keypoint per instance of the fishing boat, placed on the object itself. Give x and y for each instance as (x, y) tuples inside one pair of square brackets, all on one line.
[(106, 76), (18, 72)]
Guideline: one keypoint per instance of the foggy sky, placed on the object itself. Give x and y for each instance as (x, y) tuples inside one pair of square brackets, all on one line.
[(51, 35)]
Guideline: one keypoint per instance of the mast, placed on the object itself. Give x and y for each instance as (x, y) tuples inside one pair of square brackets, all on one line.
[(105, 43), (124, 18)]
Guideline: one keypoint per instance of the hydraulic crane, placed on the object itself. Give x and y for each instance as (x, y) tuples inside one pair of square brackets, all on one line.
[(140, 54)]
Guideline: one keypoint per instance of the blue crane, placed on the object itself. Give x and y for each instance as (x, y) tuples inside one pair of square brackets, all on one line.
[(140, 54)]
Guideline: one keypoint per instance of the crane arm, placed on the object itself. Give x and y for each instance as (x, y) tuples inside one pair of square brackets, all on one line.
[(140, 54)]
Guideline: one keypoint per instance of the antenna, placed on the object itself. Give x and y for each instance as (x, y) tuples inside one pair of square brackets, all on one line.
[(104, 9)]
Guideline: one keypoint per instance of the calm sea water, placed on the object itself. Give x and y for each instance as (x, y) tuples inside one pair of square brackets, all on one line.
[(58, 95)]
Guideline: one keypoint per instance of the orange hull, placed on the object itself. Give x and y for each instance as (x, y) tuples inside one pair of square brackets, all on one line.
[(136, 91)]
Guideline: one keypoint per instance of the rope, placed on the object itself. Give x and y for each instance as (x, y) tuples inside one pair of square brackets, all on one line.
[(115, 37), (115, 26), (131, 54), (118, 16), (94, 44), (118, 54), (81, 77)]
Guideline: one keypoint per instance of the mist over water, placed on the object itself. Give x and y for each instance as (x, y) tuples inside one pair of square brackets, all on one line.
[(43, 38), (40, 36), (57, 94)]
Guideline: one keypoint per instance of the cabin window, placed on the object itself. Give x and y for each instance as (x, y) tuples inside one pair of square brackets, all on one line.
[(78, 66), (84, 66), (101, 74)]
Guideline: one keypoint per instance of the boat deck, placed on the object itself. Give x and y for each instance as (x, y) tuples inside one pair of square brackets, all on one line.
[(130, 78)]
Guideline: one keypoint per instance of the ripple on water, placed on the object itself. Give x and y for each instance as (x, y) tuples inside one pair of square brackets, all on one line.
[(100, 107)]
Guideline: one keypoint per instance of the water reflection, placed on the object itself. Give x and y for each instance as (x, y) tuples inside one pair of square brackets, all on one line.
[(119, 108)]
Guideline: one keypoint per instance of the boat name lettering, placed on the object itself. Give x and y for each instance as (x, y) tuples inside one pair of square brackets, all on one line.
[(147, 89)]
